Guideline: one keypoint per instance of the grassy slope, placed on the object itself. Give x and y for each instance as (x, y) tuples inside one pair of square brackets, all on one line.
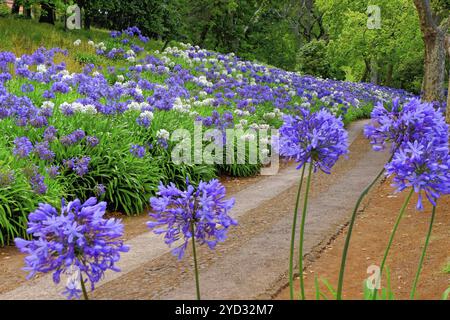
[(22, 36)]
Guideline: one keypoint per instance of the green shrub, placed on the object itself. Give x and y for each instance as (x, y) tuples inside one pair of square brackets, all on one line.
[(312, 59), (17, 200), (86, 58), (4, 10), (129, 181)]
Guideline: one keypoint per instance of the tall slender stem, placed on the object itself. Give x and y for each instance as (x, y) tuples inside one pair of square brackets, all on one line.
[(422, 257), (197, 282), (391, 238), (83, 288), (302, 231), (349, 234), (294, 227)]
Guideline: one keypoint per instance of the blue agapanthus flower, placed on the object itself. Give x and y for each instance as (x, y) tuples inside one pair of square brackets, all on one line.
[(78, 238), (138, 151), (22, 147), (402, 124), (174, 212), (423, 165), (315, 137)]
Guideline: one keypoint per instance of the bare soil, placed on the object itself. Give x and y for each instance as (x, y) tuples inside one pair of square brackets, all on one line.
[(369, 240)]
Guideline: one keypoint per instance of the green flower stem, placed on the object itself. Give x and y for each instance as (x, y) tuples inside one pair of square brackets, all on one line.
[(349, 234), (422, 257), (391, 239), (302, 231), (83, 288), (294, 227), (197, 282)]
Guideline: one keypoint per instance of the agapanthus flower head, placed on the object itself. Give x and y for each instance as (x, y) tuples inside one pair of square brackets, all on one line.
[(315, 137), (77, 238), (50, 133), (79, 165), (27, 87), (22, 147), (36, 180), (99, 190), (423, 165), (175, 211), (43, 151), (399, 124), (92, 141), (73, 137), (53, 171), (138, 151), (145, 118)]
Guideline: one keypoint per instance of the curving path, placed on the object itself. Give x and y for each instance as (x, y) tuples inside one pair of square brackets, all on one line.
[(252, 263)]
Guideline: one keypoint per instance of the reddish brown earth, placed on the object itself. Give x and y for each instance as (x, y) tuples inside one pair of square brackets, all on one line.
[(369, 240)]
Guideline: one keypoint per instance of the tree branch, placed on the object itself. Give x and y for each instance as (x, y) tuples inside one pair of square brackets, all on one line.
[(427, 23)]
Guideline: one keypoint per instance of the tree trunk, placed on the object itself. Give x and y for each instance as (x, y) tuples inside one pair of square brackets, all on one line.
[(15, 7), (27, 9), (373, 71), (434, 38), (434, 75), (447, 44), (203, 35), (48, 13), (447, 112), (389, 74), (366, 70)]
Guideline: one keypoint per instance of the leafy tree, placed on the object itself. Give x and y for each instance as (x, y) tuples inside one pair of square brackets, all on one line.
[(387, 55)]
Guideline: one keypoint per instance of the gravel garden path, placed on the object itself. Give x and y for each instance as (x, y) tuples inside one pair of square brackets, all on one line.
[(252, 263)]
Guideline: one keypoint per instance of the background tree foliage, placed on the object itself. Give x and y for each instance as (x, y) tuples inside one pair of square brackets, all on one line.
[(326, 38), (392, 55)]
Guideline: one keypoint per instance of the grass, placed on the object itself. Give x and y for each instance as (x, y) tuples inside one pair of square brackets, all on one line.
[(22, 36), (446, 268)]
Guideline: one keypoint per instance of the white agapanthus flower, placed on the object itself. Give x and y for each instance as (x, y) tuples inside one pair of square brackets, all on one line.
[(180, 107), (77, 42), (134, 106), (138, 91), (269, 116), (248, 137), (147, 115), (91, 43), (264, 141), (305, 105), (47, 105), (163, 134), (41, 68), (64, 106), (265, 152), (89, 109)]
